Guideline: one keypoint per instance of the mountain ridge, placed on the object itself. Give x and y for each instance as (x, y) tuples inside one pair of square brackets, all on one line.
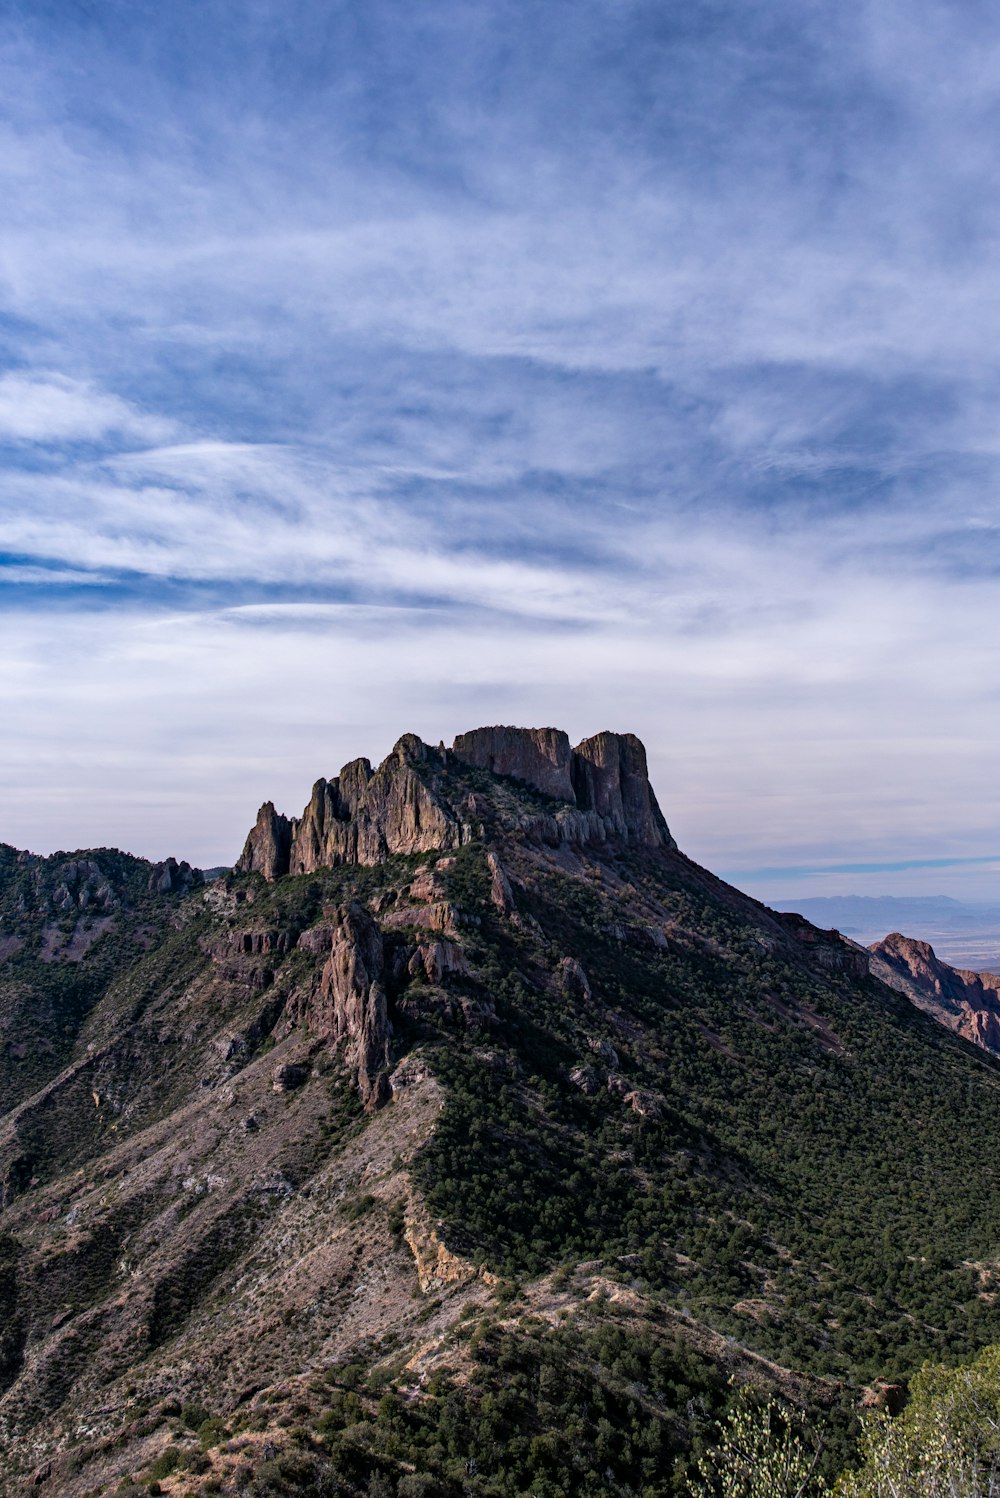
[(418, 800), (481, 1165), (964, 1000)]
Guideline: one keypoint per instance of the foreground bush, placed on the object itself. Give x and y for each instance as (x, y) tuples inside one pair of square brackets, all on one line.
[(945, 1444)]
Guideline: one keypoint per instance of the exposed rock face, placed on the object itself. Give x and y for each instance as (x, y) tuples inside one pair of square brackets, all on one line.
[(173, 878), (610, 777), (433, 959), (501, 893), (416, 802), (437, 1267), (288, 1076), (573, 981), (539, 756), (350, 1004), (965, 1001), (602, 1047), (362, 816), (587, 1079), (268, 845)]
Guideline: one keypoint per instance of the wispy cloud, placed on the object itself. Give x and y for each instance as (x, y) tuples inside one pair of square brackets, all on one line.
[(405, 366), (50, 408)]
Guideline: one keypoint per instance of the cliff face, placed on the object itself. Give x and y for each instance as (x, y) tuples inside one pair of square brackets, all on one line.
[(420, 799), (539, 756), (967, 1002), (268, 843), (350, 1004)]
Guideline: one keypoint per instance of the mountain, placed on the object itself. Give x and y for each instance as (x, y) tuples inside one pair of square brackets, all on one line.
[(964, 935), (967, 1002), (465, 1138)]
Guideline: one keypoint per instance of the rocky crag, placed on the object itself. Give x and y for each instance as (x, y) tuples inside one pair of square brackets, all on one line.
[(419, 800), (965, 1001), (465, 1138)]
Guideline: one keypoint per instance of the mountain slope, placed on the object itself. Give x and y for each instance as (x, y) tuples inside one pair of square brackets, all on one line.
[(468, 1080)]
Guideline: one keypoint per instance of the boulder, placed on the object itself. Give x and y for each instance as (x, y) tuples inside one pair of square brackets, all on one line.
[(285, 1078)]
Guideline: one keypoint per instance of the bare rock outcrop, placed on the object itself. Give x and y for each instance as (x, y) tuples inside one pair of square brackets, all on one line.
[(434, 959), (611, 778), (349, 1004), (539, 756), (268, 845), (362, 816), (573, 981), (501, 894), (967, 1002), (173, 878), (587, 1079), (418, 801)]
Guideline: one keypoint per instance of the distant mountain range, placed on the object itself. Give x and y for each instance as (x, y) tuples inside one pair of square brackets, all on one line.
[(966, 936), (466, 1138)]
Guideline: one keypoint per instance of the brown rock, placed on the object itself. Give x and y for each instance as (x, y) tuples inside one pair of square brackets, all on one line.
[(586, 1078), (646, 1104), (883, 1396), (268, 845), (289, 1076), (538, 756), (433, 959), (501, 894), (967, 1002), (427, 886), (349, 1004), (414, 803), (610, 777), (361, 816)]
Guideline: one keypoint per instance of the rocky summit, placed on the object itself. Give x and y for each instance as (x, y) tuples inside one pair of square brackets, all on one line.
[(422, 799), (464, 1138)]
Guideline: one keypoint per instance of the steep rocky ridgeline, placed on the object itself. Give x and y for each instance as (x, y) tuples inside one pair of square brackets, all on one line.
[(967, 1002), (422, 799), (466, 1138)]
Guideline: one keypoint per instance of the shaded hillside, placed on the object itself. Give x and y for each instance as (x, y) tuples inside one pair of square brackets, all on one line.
[(479, 1152), (68, 924)]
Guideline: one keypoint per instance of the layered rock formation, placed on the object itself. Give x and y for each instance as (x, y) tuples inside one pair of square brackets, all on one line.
[(419, 800), (966, 1001)]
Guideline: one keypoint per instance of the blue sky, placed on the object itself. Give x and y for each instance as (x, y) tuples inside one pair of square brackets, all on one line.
[(385, 367)]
